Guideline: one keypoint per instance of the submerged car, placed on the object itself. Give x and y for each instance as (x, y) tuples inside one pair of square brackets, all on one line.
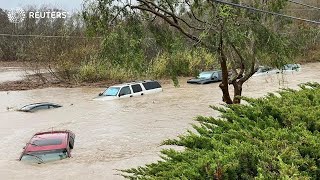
[(38, 106), (263, 69), (48, 146), (286, 68), (132, 89), (207, 77), (291, 67)]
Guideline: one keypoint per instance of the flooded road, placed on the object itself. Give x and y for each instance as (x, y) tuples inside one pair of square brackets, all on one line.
[(114, 134)]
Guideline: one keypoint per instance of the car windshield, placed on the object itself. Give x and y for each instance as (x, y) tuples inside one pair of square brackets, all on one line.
[(111, 91), (205, 75), (45, 156)]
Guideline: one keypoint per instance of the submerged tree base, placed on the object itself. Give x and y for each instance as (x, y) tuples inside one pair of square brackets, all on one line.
[(276, 137)]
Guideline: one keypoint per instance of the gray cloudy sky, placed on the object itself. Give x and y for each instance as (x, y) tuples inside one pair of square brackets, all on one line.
[(68, 5)]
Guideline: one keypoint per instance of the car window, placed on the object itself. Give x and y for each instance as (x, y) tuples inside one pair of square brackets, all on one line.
[(151, 85), (45, 156), (125, 90), (111, 91), (53, 106), (136, 88), (205, 75), (215, 75), (40, 107)]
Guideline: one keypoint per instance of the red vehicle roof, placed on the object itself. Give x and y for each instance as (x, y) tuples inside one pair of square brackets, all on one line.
[(48, 141)]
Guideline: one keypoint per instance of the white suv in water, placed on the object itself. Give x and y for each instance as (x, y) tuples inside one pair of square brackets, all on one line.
[(130, 89)]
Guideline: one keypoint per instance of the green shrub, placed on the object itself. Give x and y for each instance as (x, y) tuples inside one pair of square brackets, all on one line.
[(276, 137), (122, 75), (70, 63), (182, 63), (92, 71)]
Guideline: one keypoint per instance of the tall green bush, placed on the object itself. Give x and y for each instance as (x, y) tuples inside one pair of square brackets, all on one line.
[(183, 63), (275, 137)]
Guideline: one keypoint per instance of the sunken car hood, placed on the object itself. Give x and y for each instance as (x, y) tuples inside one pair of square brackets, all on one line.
[(105, 98)]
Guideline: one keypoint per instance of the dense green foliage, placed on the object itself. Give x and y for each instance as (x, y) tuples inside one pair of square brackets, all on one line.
[(275, 137)]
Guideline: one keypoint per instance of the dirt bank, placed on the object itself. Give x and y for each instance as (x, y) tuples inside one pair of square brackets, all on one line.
[(15, 77), (36, 80)]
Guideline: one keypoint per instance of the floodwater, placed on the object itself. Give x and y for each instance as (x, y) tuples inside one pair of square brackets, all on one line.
[(11, 74), (15, 73), (115, 134)]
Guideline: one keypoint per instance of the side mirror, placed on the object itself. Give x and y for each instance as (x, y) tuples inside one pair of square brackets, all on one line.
[(100, 94), (214, 77)]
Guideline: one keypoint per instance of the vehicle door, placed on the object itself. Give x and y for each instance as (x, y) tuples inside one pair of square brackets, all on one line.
[(125, 92), (137, 90), (215, 76)]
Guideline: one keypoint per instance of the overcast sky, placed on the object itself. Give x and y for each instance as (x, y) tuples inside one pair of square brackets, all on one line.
[(68, 5)]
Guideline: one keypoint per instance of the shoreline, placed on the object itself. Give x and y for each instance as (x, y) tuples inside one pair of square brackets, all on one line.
[(45, 80), (30, 82), (25, 84)]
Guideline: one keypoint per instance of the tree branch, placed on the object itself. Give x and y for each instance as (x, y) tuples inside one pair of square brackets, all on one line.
[(195, 17), (172, 10), (111, 21), (171, 14)]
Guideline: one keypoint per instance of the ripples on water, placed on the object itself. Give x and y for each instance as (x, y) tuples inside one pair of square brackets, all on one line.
[(113, 134)]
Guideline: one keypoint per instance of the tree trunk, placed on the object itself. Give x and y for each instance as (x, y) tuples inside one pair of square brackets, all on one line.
[(224, 84), (223, 63), (237, 92)]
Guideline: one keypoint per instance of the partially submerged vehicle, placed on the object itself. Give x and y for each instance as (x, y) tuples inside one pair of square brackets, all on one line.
[(38, 106), (291, 67), (262, 70), (48, 146), (132, 89), (207, 77)]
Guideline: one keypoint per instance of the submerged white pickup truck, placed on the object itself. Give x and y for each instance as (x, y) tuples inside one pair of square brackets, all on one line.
[(131, 89)]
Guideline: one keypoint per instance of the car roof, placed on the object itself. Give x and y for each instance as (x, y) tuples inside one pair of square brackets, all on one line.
[(58, 136), (132, 83), (30, 106)]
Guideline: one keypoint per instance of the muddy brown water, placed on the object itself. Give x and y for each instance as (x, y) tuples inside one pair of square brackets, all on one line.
[(11, 74), (114, 134)]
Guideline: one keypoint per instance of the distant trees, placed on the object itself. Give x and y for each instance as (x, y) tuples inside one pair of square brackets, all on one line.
[(160, 39), (141, 47), (241, 39), (306, 36), (25, 41)]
